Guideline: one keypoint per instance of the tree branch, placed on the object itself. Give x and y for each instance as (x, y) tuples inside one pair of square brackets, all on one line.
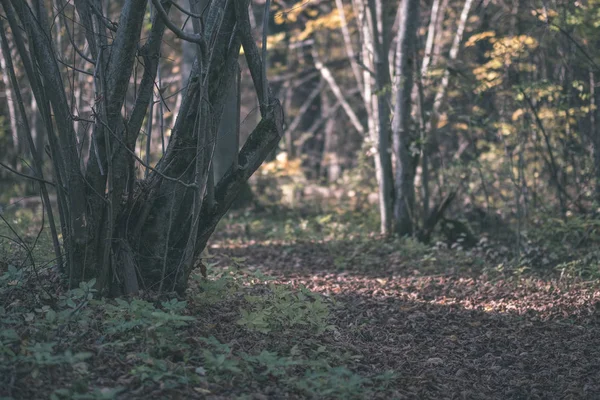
[(151, 52), (198, 39), (122, 55), (34, 178), (255, 64)]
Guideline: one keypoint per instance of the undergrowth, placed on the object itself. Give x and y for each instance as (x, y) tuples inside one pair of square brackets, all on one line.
[(544, 247), (237, 333)]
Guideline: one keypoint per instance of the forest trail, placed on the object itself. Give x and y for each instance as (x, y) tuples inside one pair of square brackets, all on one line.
[(448, 334)]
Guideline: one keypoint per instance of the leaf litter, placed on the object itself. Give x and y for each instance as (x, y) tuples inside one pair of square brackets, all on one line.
[(406, 321)]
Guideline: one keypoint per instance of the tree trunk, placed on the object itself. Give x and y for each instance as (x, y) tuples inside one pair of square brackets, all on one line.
[(403, 139), (227, 147), (594, 117), (149, 238), (385, 176), (12, 114), (430, 127), (330, 161), (372, 44)]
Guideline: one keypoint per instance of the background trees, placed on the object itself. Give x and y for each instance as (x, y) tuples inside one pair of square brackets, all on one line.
[(502, 103), (481, 109)]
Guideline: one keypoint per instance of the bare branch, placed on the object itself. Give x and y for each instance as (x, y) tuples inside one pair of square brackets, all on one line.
[(150, 52), (132, 153), (198, 39), (304, 107), (122, 56), (348, 44), (183, 10), (251, 52), (54, 90), (34, 178), (335, 89)]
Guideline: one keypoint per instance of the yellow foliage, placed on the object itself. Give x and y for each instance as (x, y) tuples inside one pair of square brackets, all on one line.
[(312, 12), (443, 121), (272, 40), (494, 155), (281, 18), (487, 77), (461, 126), (282, 166), (291, 15), (480, 36), (507, 48), (331, 21), (527, 67), (505, 129), (517, 114), (546, 113), (436, 72), (505, 51), (542, 14), (473, 19)]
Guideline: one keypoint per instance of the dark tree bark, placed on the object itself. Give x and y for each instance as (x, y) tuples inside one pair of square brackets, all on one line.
[(126, 233)]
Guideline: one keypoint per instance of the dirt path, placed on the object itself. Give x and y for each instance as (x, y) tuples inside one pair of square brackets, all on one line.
[(450, 334)]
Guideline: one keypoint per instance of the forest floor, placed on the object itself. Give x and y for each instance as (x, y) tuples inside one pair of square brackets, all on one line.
[(447, 324), (311, 306)]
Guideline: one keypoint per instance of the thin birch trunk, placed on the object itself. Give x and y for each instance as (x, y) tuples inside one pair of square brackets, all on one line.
[(337, 91), (382, 105), (403, 139), (431, 33), (440, 95), (330, 157), (430, 129), (438, 41)]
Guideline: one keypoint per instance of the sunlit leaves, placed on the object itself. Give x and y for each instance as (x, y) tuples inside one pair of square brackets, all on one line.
[(517, 114), (461, 126), (331, 21), (290, 15), (478, 37), (305, 21), (282, 166), (544, 14), (507, 52), (505, 129)]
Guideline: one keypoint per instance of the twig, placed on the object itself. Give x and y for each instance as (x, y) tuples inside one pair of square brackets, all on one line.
[(198, 39), (22, 243), (35, 178), (187, 185), (186, 12)]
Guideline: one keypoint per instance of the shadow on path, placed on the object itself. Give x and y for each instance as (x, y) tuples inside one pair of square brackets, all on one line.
[(451, 332)]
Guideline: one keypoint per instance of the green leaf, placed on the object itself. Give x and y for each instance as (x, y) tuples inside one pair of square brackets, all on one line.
[(51, 316)]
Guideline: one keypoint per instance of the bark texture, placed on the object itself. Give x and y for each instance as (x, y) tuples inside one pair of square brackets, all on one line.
[(127, 233), (402, 135)]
